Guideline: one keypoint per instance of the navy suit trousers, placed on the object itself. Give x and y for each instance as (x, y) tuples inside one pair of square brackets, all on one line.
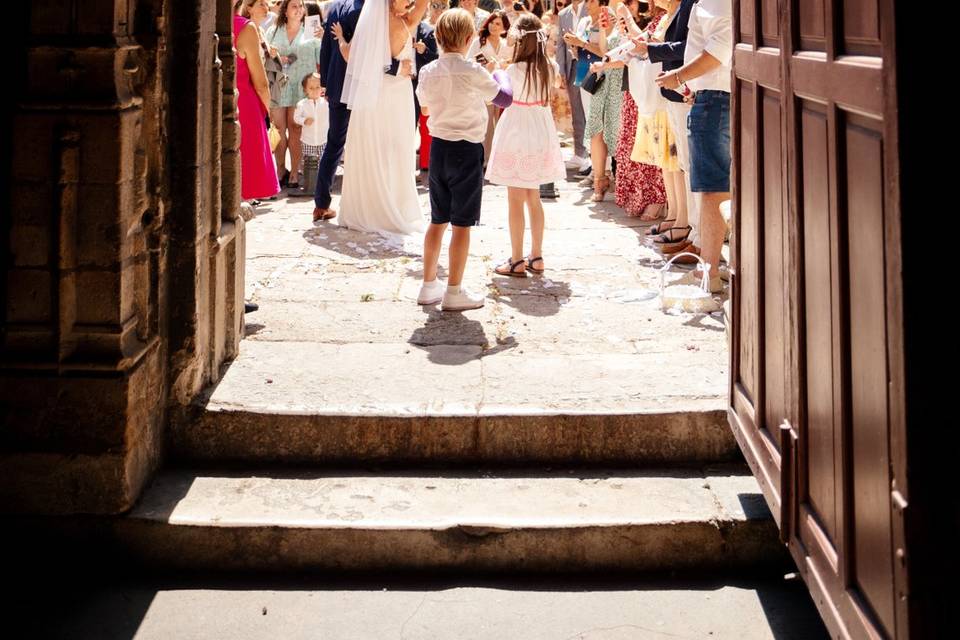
[(336, 138)]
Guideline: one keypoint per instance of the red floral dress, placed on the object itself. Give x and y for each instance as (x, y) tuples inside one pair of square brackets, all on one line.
[(638, 184)]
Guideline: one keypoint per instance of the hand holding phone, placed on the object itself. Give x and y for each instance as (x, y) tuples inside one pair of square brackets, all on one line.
[(481, 59)]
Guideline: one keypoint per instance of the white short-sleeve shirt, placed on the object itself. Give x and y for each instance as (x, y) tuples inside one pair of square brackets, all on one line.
[(710, 30), (455, 92)]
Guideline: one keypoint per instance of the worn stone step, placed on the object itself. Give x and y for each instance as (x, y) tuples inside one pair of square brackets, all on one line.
[(454, 437), (539, 521), (575, 608), (307, 402)]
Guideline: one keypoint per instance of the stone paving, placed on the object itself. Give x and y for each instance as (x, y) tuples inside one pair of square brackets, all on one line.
[(339, 329)]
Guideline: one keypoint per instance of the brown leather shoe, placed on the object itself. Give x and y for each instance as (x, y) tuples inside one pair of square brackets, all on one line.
[(323, 214), (675, 247), (688, 259)]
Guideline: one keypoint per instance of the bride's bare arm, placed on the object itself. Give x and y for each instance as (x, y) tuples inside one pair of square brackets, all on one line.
[(416, 14)]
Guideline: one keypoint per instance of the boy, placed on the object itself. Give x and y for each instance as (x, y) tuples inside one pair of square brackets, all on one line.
[(313, 115), (454, 92)]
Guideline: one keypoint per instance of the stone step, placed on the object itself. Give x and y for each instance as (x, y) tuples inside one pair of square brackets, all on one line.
[(544, 521), (251, 608), (456, 436)]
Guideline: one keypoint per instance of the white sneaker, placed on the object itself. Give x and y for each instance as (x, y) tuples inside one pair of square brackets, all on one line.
[(585, 163), (431, 292), (575, 162), (461, 301)]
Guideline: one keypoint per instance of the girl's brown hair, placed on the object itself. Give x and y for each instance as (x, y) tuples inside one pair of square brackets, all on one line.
[(484, 32), (531, 48)]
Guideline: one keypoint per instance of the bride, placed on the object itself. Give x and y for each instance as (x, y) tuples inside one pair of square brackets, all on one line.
[(379, 185)]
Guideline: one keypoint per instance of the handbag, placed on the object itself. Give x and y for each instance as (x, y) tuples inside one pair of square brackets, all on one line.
[(273, 135), (592, 83), (276, 79)]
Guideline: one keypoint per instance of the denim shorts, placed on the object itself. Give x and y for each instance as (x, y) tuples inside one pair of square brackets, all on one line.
[(708, 126)]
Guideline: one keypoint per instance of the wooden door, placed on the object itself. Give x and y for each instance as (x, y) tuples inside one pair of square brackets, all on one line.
[(816, 376)]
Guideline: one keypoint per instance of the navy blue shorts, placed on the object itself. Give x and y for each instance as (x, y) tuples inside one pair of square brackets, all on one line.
[(708, 126), (456, 182)]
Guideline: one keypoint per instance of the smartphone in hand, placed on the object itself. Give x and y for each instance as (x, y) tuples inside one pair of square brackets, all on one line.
[(481, 59)]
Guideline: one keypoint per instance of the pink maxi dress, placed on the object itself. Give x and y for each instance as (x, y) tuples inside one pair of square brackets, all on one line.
[(258, 175)]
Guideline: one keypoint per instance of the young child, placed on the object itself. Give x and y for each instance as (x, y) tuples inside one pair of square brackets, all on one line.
[(313, 115), (454, 92), (526, 149)]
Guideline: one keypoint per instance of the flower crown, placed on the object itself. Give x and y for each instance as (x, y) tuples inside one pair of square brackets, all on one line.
[(541, 35)]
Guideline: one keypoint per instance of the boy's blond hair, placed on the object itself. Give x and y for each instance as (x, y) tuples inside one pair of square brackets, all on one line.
[(454, 28)]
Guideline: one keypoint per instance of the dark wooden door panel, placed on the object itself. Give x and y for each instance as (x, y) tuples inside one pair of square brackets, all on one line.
[(820, 434), (811, 379), (871, 514)]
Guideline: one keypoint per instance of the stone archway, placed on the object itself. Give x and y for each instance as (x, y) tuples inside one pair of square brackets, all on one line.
[(123, 253)]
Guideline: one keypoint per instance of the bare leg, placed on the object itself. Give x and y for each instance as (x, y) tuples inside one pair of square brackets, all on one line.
[(294, 144), (279, 117), (670, 187), (712, 229), (598, 156), (459, 249), (680, 188), (516, 198), (535, 207), (432, 242)]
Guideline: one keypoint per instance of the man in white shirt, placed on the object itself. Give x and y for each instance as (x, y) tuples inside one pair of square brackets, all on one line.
[(478, 15), (706, 71)]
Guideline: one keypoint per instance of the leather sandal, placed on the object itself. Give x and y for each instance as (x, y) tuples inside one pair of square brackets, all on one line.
[(673, 235), (530, 266), (512, 269), (600, 187), (656, 230)]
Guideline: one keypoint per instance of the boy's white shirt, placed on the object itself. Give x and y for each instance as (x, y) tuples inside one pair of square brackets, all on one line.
[(455, 92), (315, 134)]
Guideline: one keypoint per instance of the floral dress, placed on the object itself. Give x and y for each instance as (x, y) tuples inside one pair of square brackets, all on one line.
[(638, 184), (307, 52), (654, 142), (605, 104)]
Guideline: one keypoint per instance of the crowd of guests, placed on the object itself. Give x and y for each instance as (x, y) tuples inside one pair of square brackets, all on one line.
[(642, 88)]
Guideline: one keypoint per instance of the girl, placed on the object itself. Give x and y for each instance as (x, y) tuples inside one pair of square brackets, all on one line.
[(495, 48), (526, 150), (299, 54)]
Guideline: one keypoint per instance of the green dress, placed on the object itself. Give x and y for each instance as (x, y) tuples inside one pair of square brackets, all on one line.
[(605, 104), (308, 56)]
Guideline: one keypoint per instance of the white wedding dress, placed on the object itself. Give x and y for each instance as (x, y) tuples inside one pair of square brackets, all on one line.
[(379, 191)]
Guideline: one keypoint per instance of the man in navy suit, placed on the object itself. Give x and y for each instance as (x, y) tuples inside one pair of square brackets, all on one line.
[(332, 71)]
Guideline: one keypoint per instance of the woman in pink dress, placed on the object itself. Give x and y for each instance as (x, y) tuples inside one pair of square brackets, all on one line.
[(258, 177)]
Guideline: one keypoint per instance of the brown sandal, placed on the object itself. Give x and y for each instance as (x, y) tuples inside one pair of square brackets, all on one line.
[(512, 269), (600, 187), (533, 269)]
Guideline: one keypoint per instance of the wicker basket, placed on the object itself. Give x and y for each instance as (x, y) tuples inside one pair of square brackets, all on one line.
[(684, 297)]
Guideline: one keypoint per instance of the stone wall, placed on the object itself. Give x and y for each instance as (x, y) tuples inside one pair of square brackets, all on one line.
[(123, 251)]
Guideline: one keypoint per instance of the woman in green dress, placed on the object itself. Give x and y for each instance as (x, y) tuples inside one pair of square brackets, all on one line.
[(299, 53)]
